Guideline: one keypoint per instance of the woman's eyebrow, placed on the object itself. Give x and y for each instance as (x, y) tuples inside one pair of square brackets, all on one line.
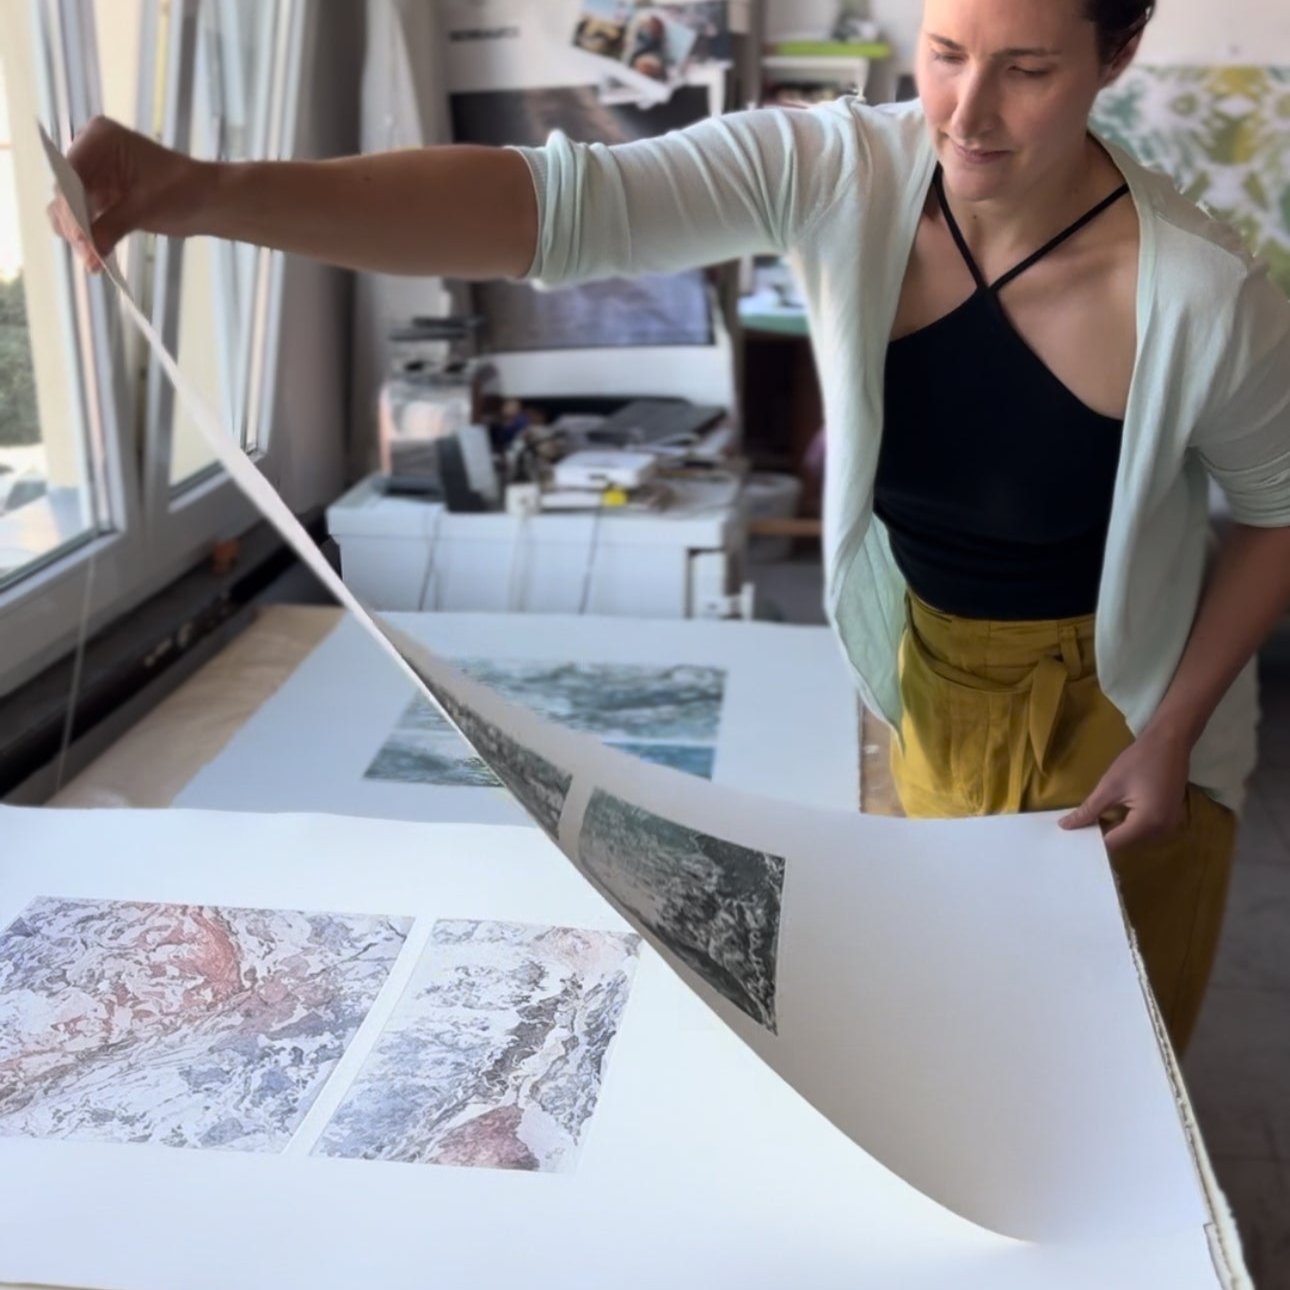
[(1015, 52)]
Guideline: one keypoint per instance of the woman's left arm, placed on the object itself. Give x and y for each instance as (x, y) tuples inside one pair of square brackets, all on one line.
[(1247, 594), (1244, 440)]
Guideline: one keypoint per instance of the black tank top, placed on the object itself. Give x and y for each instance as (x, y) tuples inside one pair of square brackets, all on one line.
[(994, 480)]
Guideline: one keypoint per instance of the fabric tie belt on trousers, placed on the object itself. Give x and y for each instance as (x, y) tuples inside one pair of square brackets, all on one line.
[(1046, 682)]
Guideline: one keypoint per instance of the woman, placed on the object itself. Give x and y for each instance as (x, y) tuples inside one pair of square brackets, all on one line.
[(1033, 354)]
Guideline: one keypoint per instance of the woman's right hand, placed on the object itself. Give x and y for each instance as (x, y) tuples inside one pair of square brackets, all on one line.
[(131, 183)]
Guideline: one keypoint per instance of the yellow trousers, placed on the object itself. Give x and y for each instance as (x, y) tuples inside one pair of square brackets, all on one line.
[(1001, 717)]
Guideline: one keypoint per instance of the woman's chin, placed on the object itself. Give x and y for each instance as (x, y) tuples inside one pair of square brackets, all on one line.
[(975, 180)]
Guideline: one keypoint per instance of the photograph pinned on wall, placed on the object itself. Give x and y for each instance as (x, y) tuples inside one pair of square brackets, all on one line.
[(668, 715), (179, 1025), (648, 48), (496, 1054), (714, 904)]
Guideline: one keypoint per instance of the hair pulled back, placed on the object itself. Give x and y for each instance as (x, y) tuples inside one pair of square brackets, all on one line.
[(1118, 22)]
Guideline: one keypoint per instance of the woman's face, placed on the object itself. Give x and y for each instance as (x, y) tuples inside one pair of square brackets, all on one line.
[(1007, 86)]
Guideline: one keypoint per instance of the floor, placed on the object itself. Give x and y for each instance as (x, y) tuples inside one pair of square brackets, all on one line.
[(1238, 1065)]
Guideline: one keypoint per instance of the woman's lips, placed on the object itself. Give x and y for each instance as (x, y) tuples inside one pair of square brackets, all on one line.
[(978, 157)]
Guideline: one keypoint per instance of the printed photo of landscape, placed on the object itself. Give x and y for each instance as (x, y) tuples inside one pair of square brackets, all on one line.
[(497, 1052), (713, 903), (179, 1025), (669, 716)]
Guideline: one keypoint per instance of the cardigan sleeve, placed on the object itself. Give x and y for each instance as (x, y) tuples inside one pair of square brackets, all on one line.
[(741, 184), (1244, 437)]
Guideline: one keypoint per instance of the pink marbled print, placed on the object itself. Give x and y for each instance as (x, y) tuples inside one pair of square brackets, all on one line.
[(185, 1025)]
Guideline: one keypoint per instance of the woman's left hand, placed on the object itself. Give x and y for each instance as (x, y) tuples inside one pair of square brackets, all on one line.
[(1142, 795)]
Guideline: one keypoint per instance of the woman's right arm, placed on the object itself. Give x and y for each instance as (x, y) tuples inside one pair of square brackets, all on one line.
[(458, 211), (734, 185)]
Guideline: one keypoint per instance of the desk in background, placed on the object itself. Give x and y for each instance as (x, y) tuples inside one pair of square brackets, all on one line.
[(685, 561)]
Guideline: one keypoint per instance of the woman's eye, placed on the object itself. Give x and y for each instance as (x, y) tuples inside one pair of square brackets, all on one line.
[(946, 58)]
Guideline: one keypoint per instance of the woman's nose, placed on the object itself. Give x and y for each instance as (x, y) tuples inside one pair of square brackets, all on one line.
[(976, 113)]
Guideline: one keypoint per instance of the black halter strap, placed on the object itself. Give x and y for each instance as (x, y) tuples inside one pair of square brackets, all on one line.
[(961, 242)]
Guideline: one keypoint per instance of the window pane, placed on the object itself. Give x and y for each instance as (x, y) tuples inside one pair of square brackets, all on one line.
[(46, 494), (220, 340), (131, 40), (201, 356)]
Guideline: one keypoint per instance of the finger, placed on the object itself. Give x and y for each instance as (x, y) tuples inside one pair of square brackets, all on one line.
[(60, 218), (110, 227), (1102, 799), (65, 226), (1138, 826), (1144, 825)]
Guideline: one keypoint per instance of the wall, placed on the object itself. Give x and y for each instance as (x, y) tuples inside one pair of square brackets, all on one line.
[(404, 104), (1204, 32), (311, 407)]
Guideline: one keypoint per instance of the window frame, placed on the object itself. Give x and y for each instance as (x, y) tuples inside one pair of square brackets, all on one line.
[(40, 612), (147, 533)]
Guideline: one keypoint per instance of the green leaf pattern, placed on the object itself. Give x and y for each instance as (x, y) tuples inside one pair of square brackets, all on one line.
[(1222, 134)]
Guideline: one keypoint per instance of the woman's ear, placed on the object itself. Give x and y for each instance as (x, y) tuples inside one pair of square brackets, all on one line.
[(1116, 67)]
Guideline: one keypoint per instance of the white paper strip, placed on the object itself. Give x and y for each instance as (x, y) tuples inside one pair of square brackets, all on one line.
[(959, 998)]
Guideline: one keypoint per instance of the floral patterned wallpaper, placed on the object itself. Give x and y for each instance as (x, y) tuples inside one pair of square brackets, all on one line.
[(1223, 134)]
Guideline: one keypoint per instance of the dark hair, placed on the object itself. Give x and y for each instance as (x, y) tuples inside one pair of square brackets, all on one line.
[(1118, 22)]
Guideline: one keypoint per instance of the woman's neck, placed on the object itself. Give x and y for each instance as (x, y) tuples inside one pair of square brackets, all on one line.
[(1015, 224)]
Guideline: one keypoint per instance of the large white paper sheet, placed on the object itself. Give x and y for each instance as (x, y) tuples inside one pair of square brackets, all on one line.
[(957, 997), (760, 707), (697, 1168)]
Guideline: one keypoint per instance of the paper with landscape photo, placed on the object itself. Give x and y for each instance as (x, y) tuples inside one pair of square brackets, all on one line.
[(519, 1092), (958, 997), (763, 707)]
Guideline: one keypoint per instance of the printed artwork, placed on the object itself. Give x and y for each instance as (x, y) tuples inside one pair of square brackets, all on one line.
[(666, 715), (715, 904), (540, 787), (423, 748), (496, 1054), (179, 1025), (1222, 134), (655, 309)]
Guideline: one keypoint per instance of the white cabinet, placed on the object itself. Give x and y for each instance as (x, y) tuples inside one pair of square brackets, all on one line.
[(687, 561)]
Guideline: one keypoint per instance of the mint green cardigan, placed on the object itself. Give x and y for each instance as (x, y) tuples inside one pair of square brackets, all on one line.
[(838, 189)]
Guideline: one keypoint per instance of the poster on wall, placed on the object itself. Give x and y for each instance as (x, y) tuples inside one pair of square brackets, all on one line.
[(655, 310)]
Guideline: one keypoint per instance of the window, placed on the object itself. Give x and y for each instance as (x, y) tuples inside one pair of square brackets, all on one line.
[(49, 501), (106, 490), (223, 314)]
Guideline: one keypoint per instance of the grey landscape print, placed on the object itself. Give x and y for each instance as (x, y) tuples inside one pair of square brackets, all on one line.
[(496, 1053), (179, 1025), (540, 786), (670, 716), (714, 904)]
